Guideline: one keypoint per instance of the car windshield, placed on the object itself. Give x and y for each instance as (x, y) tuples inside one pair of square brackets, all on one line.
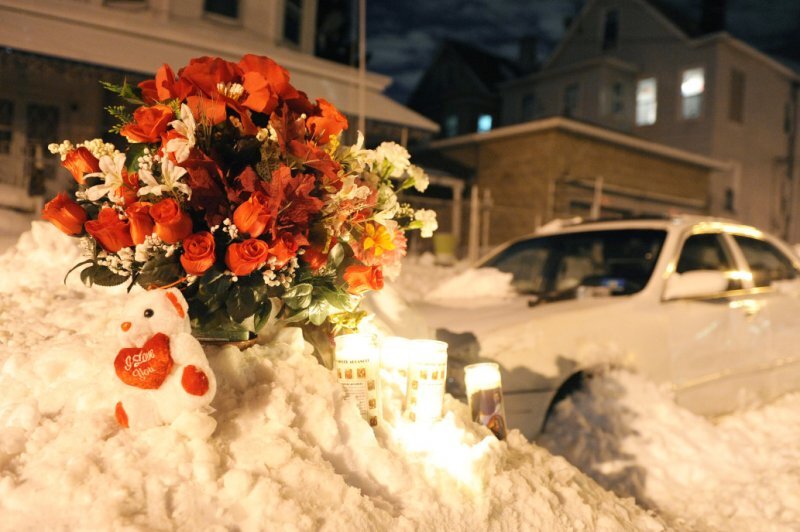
[(617, 262)]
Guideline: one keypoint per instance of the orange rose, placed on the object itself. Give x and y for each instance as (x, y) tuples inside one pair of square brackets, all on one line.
[(65, 214), (172, 224), (329, 123), (80, 162), (130, 186), (198, 253), (245, 258), (140, 221), (264, 81), (362, 279), (206, 110), (315, 258), (112, 233), (148, 123), (252, 216), (164, 87)]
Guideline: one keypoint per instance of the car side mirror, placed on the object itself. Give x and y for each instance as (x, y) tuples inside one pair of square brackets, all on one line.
[(697, 283)]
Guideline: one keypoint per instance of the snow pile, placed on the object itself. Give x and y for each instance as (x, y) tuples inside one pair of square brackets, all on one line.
[(741, 473), (13, 224), (289, 452), (474, 287)]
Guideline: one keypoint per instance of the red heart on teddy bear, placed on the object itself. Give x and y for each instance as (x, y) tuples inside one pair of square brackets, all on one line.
[(147, 366)]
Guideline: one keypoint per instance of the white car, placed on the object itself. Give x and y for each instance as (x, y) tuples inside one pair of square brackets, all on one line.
[(709, 306)]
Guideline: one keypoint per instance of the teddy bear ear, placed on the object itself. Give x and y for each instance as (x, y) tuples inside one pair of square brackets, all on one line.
[(177, 301)]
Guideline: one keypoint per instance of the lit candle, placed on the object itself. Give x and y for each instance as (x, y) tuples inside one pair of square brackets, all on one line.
[(427, 374), (356, 366), (485, 393), (394, 374)]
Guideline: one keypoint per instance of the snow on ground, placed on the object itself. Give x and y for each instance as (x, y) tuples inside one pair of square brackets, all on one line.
[(739, 473), (289, 451), (12, 224)]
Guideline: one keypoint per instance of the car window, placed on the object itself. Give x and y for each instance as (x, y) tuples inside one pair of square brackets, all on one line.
[(706, 252), (767, 263), (620, 261)]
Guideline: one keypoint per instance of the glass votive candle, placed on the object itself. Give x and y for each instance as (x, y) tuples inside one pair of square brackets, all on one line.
[(356, 364), (427, 374), (485, 394)]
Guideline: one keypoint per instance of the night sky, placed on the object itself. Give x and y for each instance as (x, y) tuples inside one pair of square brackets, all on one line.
[(402, 37)]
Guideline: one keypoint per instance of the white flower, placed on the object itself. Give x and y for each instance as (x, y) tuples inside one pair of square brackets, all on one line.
[(421, 179), (171, 175), (429, 224), (185, 126), (392, 158), (111, 168)]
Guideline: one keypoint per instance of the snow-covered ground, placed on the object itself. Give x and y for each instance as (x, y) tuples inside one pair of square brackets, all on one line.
[(289, 452)]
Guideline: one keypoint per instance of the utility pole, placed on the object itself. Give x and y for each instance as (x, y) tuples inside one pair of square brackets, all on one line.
[(362, 66)]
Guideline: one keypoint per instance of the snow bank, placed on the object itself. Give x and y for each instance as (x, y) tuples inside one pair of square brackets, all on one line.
[(738, 474), (289, 451), (473, 288)]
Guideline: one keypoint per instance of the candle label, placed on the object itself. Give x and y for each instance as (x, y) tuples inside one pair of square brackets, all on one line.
[(358, 379), (426, 384), (488, 410)]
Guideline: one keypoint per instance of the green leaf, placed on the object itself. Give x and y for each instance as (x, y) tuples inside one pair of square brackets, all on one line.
[(75, 268), (318, 312), (160, 271), (241, 303), (298, 317), (213, 287), (132, 159), (336, 255), (299, 296), (100, 275), (261, 316)]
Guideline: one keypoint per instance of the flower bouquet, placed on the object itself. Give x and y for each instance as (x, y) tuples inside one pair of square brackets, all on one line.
[(238, 190)]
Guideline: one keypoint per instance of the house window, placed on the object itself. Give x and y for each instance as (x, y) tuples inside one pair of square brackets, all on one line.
[(611, 29), (693, 85), (6, 123), (528, 107), (225, 8), (571, 97), (292, 20), (617, 98), (736, 102), (451, 125), (646, 101), (484, 123)]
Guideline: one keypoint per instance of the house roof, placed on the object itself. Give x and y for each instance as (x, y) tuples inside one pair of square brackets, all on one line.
[(491, 69)]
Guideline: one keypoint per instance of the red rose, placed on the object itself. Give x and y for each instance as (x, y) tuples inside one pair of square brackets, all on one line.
[(172, 224), (65, 214), (253, 215), (198, 253), (205, 73), (315, 258), (285, 247), (148, 123), (130, 187), (141, 223), (362, 279), (329, 123), (112, 233), (80, 162), (245, 258)]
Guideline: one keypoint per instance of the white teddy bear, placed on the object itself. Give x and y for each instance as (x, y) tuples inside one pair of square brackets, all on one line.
[(163, 369)]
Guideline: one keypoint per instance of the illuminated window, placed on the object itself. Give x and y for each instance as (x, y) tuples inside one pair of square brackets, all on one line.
[(736, 102), (484, 123), (571, 97), (646, 101), (292, 20), (225, 8), (451, 126), (693, 85), (611, 29)]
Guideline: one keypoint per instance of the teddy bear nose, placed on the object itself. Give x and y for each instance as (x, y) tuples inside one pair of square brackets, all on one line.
[(126, 326)]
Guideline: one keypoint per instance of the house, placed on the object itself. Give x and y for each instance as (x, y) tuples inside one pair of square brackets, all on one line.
[(55, 51), (459, 89), (637, 67), (558, 167)]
